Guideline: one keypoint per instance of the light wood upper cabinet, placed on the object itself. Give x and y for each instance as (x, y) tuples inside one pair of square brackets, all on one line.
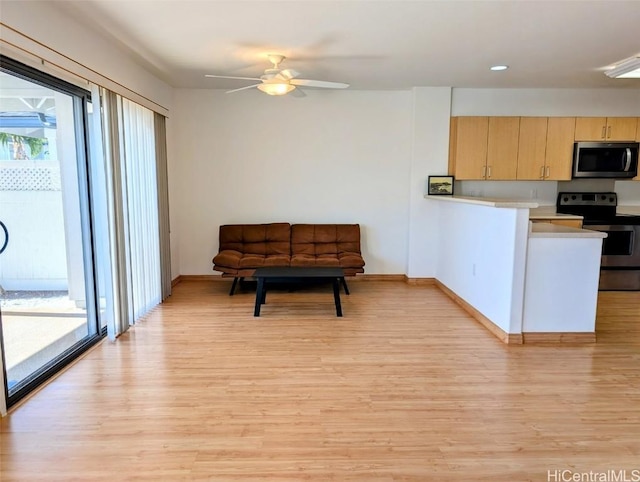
[(621, 128), (532, 148), (606, 128), (468, 147), (484, 148), (559, 151), (527, 148), (545, 150), (502, 148), (590, 128)]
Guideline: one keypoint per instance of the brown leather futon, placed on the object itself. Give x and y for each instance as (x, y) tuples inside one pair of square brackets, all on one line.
[(245, 247)]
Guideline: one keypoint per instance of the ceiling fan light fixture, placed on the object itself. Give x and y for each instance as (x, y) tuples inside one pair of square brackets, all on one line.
[(627, 69), (276, 88), (280, 82)]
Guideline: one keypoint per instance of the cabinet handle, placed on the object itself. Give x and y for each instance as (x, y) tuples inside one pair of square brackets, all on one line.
[(484, 172), (541, 172), (604, 130), (489, 172), (548, 171), (609, 132)]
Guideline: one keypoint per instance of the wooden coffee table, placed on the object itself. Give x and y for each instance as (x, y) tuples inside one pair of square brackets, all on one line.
[(274, 274)]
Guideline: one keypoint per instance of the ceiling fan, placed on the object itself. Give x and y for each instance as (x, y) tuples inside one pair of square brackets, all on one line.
[(275, 81)]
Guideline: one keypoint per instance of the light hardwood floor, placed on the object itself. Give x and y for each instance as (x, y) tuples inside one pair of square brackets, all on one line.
[(405, 387)]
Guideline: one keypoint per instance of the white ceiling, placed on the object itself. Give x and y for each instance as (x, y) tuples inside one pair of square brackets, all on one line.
[(375, 44)]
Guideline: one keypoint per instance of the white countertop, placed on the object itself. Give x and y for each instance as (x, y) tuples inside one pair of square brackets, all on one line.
[(549, 212), (547, 230), (536, 211), (486, 201)]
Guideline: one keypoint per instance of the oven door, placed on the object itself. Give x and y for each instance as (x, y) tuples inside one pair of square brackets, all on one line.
[(621, 247)]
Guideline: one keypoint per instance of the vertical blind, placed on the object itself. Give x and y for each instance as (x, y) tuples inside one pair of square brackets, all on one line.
[(101, 197), (138, 139), (163, 203), (117, 220), (138, 209)]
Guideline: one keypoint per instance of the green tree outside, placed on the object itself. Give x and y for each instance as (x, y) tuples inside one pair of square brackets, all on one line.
[(19, 153)]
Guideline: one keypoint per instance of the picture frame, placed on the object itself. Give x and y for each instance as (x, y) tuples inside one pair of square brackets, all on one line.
[(440, 185)]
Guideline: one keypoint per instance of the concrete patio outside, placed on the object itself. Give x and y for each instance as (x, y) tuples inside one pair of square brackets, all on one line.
[(37, 326)]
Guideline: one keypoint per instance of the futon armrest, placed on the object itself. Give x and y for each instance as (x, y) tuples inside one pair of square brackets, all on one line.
[(228, 258)]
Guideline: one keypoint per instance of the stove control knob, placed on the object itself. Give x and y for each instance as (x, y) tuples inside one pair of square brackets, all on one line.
[(612, 199), (573, 198), (565, 199), (603, 197)]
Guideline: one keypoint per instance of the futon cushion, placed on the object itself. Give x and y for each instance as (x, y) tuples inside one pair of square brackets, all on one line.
[(311, 260), (326, 245), (229, 258), (262, 239), (250, 246), (258, 260)]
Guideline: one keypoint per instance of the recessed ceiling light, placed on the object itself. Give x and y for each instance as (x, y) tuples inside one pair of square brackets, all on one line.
[(498, 68)]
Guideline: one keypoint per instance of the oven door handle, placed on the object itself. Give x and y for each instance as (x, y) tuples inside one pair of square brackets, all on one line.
[(627, 167)]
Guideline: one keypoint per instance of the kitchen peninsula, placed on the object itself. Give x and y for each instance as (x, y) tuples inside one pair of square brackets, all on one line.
[(525, 282)]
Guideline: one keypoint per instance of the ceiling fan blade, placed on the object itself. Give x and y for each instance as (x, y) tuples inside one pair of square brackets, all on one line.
[(241, 88), (228, 77), (287, 74), (319, 83), (297, 93)]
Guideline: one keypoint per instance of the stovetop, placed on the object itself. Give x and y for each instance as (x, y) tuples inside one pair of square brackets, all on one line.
[(595, 207)]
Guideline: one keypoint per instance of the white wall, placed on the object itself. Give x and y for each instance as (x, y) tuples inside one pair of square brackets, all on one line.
[(561, 284), (544, 192), (430, 153), (331, 157), (545, 102), (628, 192), (481, 258)]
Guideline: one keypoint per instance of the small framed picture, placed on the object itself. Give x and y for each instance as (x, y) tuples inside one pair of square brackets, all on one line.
[(440, 186)]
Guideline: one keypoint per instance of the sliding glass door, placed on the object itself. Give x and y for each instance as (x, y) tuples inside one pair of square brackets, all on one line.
[(48, 291)]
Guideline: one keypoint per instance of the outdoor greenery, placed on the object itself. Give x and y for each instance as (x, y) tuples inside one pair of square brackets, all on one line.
[(35, 145)]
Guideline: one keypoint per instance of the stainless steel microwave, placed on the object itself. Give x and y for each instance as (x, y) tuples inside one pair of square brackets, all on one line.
[(618, 160)]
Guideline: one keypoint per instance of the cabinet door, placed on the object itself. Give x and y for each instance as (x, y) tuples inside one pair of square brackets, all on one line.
[(621, 128), (502, 148), (453, 136), (572, 223), (471, 147), (531, 148), (591, 128), (559, 153)]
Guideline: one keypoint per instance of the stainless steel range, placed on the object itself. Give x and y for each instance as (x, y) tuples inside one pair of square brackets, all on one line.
[(620, 265)]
